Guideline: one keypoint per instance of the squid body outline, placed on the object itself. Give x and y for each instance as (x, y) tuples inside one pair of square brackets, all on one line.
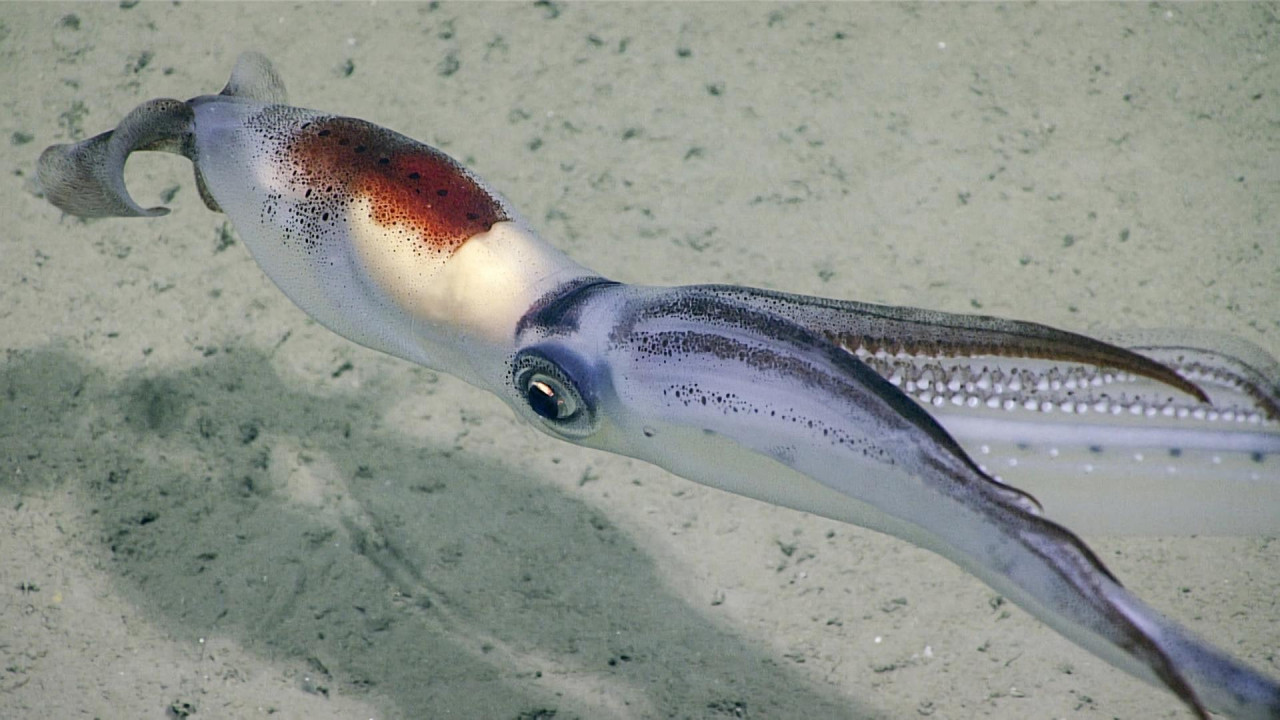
[(847, 410)]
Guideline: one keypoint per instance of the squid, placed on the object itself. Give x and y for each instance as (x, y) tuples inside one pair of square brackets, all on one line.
[(901, 420)]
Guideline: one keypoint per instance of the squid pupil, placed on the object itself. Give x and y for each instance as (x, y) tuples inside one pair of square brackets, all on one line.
[(544, 400)]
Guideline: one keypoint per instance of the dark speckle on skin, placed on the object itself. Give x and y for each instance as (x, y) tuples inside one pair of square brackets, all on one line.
[(425, 198), (717, 325), (559, 310)]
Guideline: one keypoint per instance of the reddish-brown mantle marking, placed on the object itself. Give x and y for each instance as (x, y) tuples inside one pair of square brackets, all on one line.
[(341, 159)]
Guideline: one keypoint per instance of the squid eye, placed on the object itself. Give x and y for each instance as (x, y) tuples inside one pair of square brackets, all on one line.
[(549, 398), (549, 390)]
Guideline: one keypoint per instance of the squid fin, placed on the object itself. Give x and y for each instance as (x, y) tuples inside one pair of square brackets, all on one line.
[(87, 178)]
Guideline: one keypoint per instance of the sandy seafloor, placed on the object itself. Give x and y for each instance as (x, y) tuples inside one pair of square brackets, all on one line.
[(211, 505)]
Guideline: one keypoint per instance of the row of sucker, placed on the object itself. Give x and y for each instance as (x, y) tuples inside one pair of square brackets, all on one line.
[(1203, 374), (1074, 389), (1070, 348)]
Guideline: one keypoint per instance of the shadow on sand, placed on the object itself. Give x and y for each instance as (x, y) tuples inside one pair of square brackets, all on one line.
[(440, 583)]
